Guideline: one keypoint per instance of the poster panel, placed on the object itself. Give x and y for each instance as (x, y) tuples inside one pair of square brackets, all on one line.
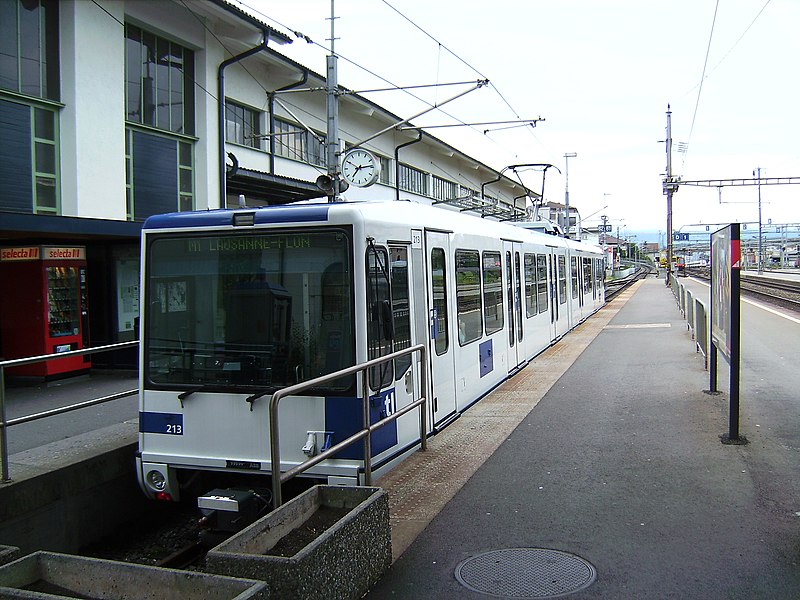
[(725, 258)]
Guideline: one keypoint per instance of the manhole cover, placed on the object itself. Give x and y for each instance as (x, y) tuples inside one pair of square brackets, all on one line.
[(525, 573)]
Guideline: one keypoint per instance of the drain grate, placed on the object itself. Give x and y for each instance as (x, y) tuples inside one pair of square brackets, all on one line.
[(525, 573)]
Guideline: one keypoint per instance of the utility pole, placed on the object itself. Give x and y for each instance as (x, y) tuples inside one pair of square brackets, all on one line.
[(567, 156), (670, 187), (331, 86), (760, 247)]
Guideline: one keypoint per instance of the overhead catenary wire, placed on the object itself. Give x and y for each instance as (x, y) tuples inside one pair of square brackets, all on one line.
[(299, 34), (703, 76)]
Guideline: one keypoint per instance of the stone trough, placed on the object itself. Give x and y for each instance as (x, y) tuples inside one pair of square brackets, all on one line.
[(329, 542), (51, 575)]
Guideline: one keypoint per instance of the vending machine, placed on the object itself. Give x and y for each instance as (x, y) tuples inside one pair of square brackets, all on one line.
[(44, 308)]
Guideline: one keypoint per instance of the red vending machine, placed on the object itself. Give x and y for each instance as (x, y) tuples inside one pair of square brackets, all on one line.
[(43, 307)]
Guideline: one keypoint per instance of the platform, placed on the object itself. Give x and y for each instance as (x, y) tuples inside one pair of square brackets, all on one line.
[(607, 450)]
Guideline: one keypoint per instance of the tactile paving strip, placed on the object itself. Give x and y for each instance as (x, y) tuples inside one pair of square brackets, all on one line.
[(526, 573)]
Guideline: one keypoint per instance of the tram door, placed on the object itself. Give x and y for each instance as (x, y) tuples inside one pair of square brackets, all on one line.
[(513, 303), (558, 293), (440, 348)]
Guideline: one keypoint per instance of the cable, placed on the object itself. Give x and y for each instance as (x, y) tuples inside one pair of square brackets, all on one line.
[(454, 55), (736, 43), (374, 74), (700, 91)]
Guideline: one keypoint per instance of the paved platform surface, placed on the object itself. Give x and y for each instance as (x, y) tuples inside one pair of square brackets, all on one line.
[(618, 462)]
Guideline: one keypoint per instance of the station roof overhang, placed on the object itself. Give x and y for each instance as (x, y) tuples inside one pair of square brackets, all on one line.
[(271, 188), (33, 228)]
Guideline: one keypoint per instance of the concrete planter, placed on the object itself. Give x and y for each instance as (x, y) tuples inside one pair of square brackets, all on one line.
[(50, 575), (8, 553), (341, 562)]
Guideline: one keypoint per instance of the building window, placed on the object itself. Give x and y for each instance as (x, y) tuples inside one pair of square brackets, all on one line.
[(413, 180), (468, 296), (159, 173), (185, 176), (242, 125), (159, 82), (29, 47), (386, 165), (294, 142), (29, 158), (444, 189), (46, 161)]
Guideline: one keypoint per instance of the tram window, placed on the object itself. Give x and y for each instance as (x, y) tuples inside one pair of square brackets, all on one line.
[(439, 287), (400, 307), (492, 292), (468, 296), (379, 316), (530, 285), (263, 311), (587, 275), (562, 279), (541, 282), (575, 284)]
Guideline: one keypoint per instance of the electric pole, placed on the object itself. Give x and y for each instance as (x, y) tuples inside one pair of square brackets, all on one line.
[(760, 248), (670, 187), (332, 83)]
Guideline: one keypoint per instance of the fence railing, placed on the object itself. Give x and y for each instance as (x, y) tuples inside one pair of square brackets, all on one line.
[(364, 433), (5, 424)]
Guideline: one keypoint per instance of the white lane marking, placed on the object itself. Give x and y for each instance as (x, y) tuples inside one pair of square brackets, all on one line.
[(758, 305), (638, 326)]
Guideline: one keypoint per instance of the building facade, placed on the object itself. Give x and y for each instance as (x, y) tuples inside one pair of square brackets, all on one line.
[(114, 110)]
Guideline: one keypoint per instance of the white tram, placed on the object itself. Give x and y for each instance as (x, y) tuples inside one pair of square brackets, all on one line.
[(236, 303)]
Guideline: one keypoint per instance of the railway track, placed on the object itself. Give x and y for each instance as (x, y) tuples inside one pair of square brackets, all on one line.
[(615, 286), (780, 292)]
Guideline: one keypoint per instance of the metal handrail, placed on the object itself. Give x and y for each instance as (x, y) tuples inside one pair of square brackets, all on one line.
[(16, 362), (279, 478)]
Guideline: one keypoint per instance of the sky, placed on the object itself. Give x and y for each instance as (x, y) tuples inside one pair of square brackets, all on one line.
[(601, 75)]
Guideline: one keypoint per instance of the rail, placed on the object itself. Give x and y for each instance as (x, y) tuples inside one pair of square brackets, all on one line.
[(18, 362), (278, 478)]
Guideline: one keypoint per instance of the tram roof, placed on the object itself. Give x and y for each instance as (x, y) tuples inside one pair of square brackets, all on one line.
[(409, 213)]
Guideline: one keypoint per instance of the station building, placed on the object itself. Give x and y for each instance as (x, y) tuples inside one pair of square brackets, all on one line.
[(110, 112)]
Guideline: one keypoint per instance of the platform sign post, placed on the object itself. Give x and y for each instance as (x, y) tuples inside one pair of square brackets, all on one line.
[(725, 317)]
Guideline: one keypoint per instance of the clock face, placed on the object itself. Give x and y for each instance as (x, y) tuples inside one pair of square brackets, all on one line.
[(360, 167)]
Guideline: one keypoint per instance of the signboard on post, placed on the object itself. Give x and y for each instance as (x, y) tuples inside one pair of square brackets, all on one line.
[(725, 316)]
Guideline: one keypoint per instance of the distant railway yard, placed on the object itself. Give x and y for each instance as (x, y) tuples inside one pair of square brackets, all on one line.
[(776, 287)]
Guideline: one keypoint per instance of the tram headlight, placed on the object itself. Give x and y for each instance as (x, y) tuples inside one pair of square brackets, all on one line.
[(156, 480)]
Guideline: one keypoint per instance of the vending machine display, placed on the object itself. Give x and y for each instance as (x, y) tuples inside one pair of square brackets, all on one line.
[(45, 309)]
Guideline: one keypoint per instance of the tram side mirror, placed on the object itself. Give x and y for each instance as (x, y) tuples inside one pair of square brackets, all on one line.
[(386, 314)]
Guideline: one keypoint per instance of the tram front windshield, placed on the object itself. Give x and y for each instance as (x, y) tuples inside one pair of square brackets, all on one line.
[(261, 310)]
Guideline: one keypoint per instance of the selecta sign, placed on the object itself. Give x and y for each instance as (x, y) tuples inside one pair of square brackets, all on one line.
[(42, 253)]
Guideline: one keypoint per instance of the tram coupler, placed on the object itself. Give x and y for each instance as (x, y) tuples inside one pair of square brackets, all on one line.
[(228, 510)]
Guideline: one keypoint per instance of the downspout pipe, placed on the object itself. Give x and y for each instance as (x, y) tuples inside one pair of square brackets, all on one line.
[(271, 99), (397, 164), (221, 104)]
